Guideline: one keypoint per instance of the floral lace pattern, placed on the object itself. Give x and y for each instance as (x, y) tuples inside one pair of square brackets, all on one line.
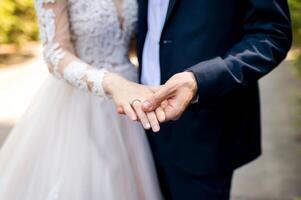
[(53, 54), (99, 41), (96, 32), (84, 78), (46, 21)]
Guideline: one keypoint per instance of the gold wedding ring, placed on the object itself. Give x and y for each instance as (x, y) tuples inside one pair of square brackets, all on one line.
[(135, 101)]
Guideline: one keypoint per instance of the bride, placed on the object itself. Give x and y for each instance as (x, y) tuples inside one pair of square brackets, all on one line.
[(71, 143)]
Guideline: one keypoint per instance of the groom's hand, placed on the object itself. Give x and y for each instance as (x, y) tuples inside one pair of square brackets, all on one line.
[(176, 94)]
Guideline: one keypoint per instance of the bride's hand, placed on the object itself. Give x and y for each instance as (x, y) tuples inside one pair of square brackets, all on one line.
[(129, 97)]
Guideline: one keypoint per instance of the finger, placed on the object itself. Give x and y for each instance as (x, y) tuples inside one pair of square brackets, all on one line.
[(164, 104), (173, 113), (120, 110), (179, 108), (141, 115), (152, 118), (160, 114), (130, 112), (169, 114), (155, 88), (154, 102)]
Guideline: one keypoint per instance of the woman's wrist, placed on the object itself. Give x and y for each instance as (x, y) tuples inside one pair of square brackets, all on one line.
[(110, 82)]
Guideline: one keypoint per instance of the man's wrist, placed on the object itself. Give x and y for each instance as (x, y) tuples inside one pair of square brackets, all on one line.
[(192, 82)]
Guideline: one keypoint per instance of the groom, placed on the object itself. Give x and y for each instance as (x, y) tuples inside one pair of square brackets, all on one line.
[(210, 55)]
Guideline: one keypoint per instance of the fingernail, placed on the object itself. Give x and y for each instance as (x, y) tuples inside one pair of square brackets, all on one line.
[(147, 126), (162, 118), (147, 104), (156, 128)]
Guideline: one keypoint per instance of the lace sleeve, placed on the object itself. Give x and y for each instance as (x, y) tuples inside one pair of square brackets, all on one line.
[(58, 50)]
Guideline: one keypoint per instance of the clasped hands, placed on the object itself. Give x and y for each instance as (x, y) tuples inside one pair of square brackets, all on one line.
[(152, 105)]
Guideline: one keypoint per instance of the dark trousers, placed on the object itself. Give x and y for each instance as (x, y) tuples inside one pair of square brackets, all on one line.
[(179, 185)]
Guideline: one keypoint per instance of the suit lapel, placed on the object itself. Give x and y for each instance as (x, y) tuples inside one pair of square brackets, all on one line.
[(142, 22), (143, 5), (171, 6), (142, 29)]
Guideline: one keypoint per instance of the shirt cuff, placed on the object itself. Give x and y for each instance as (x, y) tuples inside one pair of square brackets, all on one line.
[(195, 100)]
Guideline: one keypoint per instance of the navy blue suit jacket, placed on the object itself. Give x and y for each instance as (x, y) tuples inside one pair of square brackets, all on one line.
[(229, 45)]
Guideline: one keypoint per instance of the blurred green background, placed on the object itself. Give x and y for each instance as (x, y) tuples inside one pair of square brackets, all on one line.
[(17, 21), (18, 24), (295, 6)]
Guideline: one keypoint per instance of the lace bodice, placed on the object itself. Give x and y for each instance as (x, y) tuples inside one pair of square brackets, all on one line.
[(84, 39)]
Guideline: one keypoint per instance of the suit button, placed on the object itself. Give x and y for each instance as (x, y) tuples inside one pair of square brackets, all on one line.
[(167, 41)]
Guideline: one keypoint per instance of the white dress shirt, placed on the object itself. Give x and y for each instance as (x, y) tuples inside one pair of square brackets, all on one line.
[(151, 73)]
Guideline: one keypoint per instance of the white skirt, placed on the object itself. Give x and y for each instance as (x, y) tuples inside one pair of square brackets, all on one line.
[(71, 145)]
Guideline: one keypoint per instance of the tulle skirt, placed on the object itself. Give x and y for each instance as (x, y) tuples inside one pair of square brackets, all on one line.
[(71, 145)]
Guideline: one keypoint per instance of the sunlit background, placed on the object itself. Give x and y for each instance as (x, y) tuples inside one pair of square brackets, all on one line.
[(276, 175)]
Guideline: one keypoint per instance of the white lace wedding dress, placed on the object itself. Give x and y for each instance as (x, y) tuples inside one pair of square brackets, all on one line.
[(71, 144)]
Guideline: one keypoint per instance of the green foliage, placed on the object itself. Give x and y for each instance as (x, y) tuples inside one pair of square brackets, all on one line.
[(17, 21), (295, 6)]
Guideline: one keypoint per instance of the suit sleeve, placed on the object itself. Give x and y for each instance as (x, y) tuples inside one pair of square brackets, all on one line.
[(266, 41)]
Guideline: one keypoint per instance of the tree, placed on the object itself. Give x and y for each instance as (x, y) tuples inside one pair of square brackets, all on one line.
[(17, 21), (295, 6)]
